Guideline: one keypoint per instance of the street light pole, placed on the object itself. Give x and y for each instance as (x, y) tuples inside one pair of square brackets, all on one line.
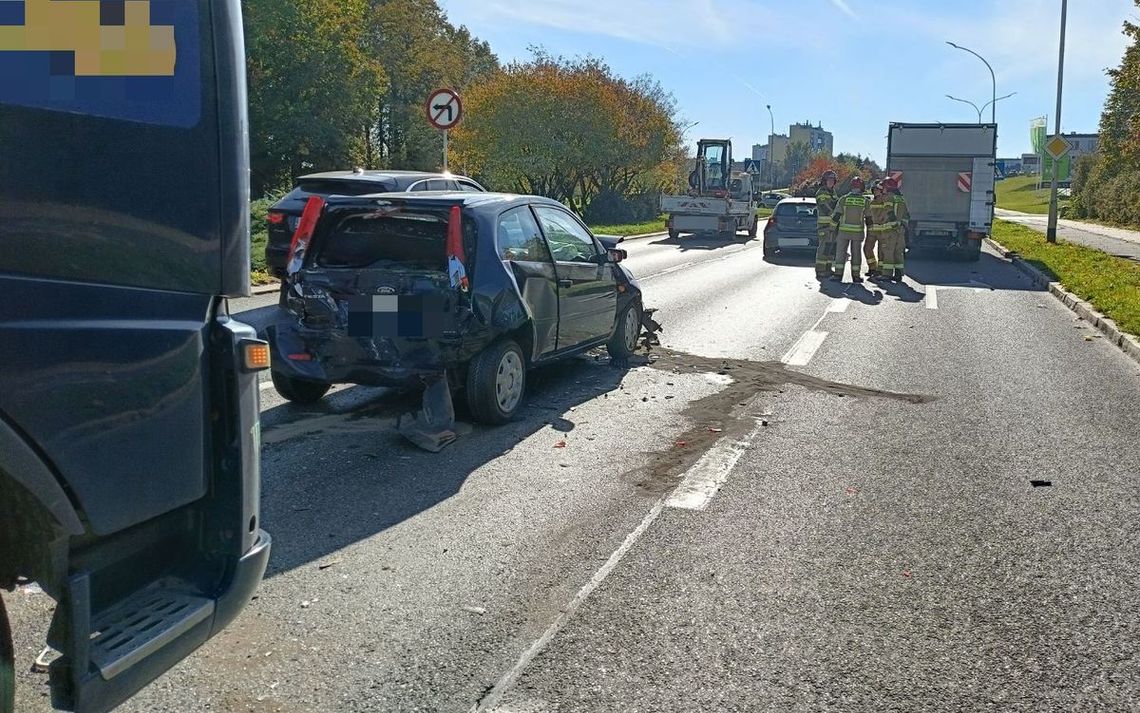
[(771, 142), (967, 101), (995, 101), (993, 77), (1051, 231)]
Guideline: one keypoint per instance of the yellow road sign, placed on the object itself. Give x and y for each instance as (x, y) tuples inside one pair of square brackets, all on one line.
[(1058, 147)]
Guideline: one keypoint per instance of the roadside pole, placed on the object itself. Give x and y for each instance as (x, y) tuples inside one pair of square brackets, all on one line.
[(1051, 231), (444, 110)]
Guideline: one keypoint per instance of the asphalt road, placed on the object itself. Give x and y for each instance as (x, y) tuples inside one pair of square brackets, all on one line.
[(854, 530)]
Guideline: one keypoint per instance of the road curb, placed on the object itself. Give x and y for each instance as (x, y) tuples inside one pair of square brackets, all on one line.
[(1124, 341), (265, 289)]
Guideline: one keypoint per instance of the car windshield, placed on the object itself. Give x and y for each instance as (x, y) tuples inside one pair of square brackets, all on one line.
[(796, 210), (406, 240)]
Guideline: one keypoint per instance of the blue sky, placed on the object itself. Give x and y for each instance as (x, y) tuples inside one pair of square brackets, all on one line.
[(854, 65)]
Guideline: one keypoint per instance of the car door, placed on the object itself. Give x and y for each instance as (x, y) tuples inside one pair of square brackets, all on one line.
[(587, 288), (524, 252)]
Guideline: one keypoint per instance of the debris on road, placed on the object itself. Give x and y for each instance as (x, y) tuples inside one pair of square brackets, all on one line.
[(475, 610), (432, 428), (1041, 483), (560, 444), (330, 563)]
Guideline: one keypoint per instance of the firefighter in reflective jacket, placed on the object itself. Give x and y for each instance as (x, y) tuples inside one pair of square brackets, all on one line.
[(825, 200), (850, 215), (880, 225), (893, 250)]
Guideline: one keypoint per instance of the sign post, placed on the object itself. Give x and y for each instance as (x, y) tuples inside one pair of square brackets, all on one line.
[(444, 110), (1051, 230)]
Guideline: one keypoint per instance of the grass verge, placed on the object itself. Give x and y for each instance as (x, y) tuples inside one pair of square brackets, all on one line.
[(652, 226), (1020, 193), (626, 229), (1110, 283)]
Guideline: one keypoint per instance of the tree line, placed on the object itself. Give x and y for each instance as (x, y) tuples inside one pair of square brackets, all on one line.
[(1106, 185), (335, 84), (340, 83)]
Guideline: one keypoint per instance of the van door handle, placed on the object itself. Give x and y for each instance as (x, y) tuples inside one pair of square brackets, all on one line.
[(566, 283)]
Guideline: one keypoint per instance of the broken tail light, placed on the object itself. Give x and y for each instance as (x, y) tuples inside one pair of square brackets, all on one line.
[(456, 257), (304, 234)]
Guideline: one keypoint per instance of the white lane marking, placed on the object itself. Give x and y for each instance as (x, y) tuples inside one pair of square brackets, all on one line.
[(931, 297), (708, 475), (839, 306), (802, 351), (669, 271), (491, 700)]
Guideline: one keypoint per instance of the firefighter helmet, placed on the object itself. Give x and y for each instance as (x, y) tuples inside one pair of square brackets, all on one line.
[(829, 175), (857, 183), (890, 183)]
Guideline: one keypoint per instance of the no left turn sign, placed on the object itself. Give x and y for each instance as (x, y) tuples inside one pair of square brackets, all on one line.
[(444, 109)]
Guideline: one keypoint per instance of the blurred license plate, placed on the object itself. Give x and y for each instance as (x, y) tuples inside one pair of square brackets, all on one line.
[(408, 316), (794, 242)]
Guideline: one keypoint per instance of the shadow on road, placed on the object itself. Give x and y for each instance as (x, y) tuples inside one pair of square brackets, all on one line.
[(334, 476), (702, 242), (946, 270)]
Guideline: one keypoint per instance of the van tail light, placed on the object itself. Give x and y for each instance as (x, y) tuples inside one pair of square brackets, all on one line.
[(456, 258), (304, 234), (275, 218)]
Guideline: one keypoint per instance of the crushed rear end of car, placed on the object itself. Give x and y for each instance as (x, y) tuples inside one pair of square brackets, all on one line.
[(383, 296)]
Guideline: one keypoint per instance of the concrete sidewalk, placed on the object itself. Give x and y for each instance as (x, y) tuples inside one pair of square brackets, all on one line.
[(1114, 241)]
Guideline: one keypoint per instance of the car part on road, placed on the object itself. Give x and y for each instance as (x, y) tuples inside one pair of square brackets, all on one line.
[(299, 390), (496, 382), (433, 428)]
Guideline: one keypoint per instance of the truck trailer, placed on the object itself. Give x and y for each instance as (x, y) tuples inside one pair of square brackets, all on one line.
[(947, 176)]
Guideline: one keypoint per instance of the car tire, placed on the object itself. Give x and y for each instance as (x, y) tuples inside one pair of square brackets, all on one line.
[(283, 295), (754, 228), (7, 664), (299, 391), (674, 234), (769, 250), (623, 343), (496, 383)]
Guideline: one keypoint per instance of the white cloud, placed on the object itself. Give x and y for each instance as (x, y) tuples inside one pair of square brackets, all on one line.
[(844, 7)]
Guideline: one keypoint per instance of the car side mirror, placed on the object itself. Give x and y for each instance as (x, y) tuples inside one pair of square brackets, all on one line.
[(615, 255)]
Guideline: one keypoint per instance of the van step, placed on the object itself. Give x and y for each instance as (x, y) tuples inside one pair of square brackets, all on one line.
[(142, 624)]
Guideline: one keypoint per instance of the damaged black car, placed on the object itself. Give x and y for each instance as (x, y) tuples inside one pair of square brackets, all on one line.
[(399, 290)]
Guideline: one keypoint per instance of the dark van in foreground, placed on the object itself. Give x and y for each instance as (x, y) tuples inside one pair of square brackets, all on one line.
[(391, 290), (129, 453)]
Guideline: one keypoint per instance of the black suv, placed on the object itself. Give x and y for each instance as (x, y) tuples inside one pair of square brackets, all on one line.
[(285, 213), (396, 290)]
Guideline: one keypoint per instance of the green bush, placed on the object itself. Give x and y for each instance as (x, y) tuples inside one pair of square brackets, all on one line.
[(613, 208)]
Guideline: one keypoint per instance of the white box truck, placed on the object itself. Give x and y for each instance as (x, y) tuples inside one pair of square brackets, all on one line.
[(947, 176)]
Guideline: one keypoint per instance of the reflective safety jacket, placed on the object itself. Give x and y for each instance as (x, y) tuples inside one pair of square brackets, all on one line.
[(825, 200), (851, 212), (902, 213), (882, 214)]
